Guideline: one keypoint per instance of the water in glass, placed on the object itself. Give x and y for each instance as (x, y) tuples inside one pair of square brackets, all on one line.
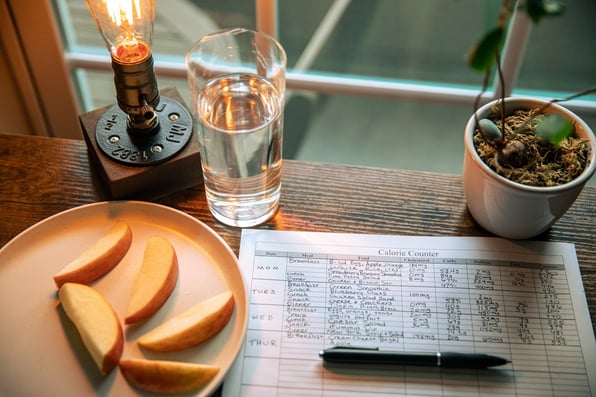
[(241, 141)]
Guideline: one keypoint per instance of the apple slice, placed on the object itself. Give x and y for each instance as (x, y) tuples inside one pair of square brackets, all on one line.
[(155, 281), (99, 258), (191, 327), (97, 323), (168, 377)]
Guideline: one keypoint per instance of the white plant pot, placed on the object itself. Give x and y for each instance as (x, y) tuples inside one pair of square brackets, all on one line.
[(513, 210)]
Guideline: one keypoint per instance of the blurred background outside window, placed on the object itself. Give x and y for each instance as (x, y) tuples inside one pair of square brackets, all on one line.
[(372, 82)]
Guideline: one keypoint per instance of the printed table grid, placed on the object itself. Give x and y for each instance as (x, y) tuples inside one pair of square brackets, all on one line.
[(303, 302)]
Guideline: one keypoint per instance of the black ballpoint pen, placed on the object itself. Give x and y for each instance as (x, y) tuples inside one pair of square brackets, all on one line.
[(360, 355)]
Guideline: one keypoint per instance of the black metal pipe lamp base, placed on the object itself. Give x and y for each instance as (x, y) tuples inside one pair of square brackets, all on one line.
[(144, 166)]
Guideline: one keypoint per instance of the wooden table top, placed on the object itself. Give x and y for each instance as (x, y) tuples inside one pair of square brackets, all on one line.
[(40, 177)]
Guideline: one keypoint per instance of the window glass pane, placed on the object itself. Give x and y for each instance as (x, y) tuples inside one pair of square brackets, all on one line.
[(561, 53), (178, 23), (404, 40), (226, 13), (380, 133), (397, 39)]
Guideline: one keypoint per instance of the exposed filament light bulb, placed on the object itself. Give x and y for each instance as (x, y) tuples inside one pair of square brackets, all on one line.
[(127, 29)]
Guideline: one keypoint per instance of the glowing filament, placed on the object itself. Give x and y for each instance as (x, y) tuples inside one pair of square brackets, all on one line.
[(120, 10)]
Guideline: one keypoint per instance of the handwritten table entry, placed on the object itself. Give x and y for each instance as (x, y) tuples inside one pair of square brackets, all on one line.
[(311, 291)]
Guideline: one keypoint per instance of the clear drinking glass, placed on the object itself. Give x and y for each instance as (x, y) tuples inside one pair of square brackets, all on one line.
[(237, 83)]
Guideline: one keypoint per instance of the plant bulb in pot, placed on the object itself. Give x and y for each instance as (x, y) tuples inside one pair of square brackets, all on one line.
[(511, 209)]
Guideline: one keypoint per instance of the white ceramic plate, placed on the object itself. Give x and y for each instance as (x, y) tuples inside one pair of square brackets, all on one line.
[(41, 353)]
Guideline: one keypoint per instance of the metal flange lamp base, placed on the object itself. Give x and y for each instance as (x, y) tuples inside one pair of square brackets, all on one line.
[(134, 166), (173, 134)]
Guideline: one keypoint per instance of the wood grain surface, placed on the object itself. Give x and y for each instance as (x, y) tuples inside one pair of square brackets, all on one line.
[(40, 177)]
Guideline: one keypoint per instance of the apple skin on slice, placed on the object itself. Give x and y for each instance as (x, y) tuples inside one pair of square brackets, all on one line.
[(99, 258), (167, 377), (97, 324), (192, 327), (155, 281)]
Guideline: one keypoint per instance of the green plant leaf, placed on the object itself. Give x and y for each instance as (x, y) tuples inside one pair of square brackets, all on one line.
[(554, 128), (536, 9), (483, 54)]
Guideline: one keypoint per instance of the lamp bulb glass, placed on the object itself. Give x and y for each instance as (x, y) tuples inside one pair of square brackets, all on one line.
[(126, 26)]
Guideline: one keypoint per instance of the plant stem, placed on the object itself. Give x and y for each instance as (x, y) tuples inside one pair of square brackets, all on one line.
[(485, 79), (570, 97), (502, 81), (547, 104)]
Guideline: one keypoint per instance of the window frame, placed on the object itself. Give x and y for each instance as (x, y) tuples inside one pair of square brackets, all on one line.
[(52, 67), (41, 73)]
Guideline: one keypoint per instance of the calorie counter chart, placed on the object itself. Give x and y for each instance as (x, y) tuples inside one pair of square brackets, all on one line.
[(311, 291)]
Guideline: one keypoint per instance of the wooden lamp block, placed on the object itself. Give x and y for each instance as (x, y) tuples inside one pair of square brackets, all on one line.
[(143, 182)]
